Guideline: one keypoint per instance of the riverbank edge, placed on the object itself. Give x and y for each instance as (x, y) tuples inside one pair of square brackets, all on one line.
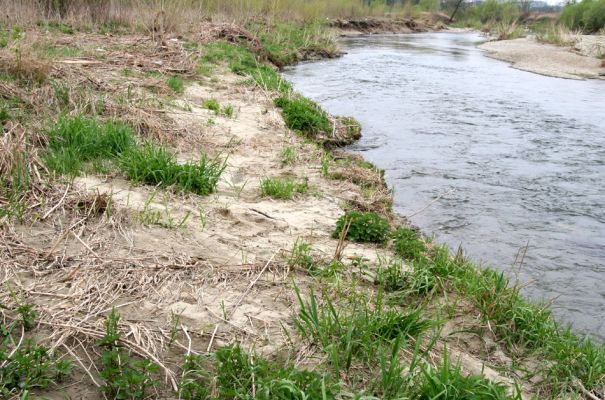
[(529, 55), (548, 333)]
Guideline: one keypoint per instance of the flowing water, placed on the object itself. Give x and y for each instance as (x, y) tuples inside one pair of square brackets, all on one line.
[(517, 157)]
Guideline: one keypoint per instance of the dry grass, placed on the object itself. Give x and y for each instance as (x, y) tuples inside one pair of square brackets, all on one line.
[(158, 16), (559, 35)]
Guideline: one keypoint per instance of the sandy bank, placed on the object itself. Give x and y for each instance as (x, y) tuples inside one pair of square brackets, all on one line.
[(528, 55)]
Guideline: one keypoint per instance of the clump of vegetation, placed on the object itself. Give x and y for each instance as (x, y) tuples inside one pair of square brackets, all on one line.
[(288, 155), (407, 243), (363, 227), (242, 61), (557, 34), (358, 332), (125, 377), (449, 382), (303, 115), (176, 84), (76, 141), (282, 188), (26, 365), (156, 165), (212, 105), (289, 42), (587, 15)]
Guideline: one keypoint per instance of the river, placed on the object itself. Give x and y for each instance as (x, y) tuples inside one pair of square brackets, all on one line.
[(514, 157)]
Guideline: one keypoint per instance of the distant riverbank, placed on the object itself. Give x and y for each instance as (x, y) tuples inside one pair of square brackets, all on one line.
[(562, 62)]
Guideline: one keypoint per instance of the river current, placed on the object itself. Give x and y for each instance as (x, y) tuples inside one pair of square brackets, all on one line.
[(514, 158)]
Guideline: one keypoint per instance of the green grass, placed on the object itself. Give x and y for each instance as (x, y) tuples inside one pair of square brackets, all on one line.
[(78, 142), (242, 61), (407, 243), (303, 115), (176, 84), (363, 227), (288, 155), (212, 105), (282, 188), (155, 165), (356, 331), (289, 42), (48, 50), (449, 382)]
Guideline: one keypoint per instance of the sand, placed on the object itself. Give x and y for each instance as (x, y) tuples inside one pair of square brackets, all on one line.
[(562, 62)]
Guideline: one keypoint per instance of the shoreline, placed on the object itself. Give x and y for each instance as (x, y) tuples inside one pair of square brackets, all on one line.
[(527, 54)]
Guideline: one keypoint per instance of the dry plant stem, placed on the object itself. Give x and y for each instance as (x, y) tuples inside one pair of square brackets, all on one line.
[(82, 365), (56, 205), (242, 298), (436, 199), (340, 247)]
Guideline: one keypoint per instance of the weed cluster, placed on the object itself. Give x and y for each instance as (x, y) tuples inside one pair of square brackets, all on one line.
[(363, 227), (242, 375), (176, 84), (125, 378), (407, 243), (78, 142), (282, 188), (26, 365)]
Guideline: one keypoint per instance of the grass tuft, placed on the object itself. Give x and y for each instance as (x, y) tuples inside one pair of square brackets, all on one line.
[(76, 141), (156, 165), (407, 243), (303, 115), (176, 84), (282, 188)]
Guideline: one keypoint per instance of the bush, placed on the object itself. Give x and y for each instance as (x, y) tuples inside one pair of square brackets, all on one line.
[(303, 115), (496, 11), (364, 227), (588, 15)]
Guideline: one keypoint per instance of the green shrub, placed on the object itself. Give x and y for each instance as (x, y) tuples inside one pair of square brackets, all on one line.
[(407, 243), (588, 15), (282, 188), (176, 84), (303, 115), (364, 227), (496, 11), (155, 165)]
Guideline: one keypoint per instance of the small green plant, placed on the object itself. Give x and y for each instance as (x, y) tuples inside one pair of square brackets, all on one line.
[(407, 243), (156, 165), (26, 365), (212, 105), (301, 256), (363, 227), (282, 188), (239, 375), (125, 378), (195, 380), (228, 111), (303, 115), (288, 155), (176, 84)]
